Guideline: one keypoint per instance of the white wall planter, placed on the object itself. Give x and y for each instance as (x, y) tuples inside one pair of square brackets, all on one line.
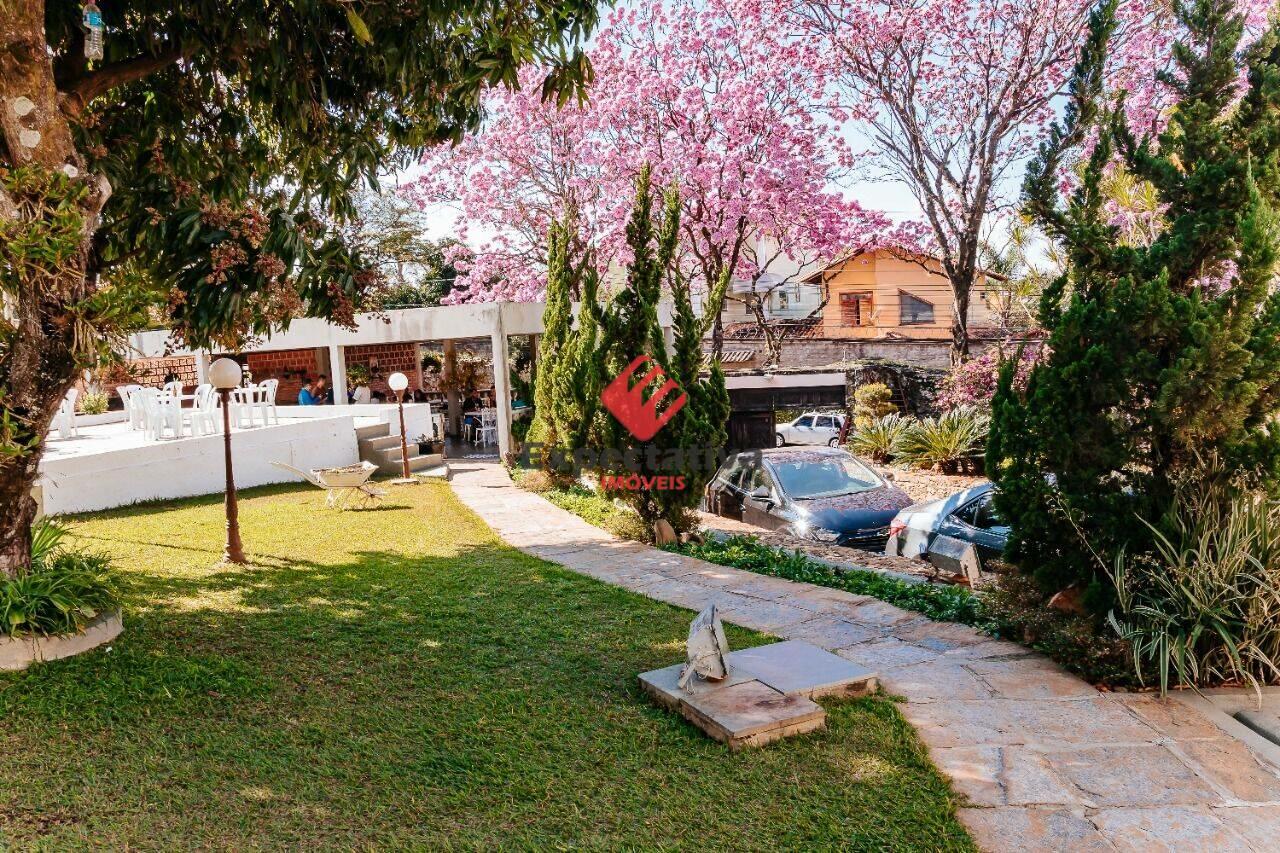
[(20, 652)]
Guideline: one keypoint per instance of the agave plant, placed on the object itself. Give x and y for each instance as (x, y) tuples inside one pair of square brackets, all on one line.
[(880, 438), (948, 442)]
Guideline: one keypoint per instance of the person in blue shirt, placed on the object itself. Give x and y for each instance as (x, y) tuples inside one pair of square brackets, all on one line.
[(307, 396)]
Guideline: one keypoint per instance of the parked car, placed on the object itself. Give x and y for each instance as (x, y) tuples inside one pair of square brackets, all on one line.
[(820, 494), (812, 428), (969, 516)]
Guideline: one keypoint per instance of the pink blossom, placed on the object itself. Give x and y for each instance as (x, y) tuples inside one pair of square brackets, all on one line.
[(719, 103)]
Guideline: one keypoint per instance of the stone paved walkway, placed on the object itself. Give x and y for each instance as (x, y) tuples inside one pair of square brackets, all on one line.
[(1044, 761)]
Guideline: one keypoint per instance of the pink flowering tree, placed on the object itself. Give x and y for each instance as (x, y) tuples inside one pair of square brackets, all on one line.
[(718, 103), (954, 97)]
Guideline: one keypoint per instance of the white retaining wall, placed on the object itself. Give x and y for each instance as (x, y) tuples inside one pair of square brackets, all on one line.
[(417, 416), (194, 466)]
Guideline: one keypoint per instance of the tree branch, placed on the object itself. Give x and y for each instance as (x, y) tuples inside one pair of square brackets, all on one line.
[(95, 83)]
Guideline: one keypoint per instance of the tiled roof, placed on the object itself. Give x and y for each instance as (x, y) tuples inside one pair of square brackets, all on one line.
[(790, 330)]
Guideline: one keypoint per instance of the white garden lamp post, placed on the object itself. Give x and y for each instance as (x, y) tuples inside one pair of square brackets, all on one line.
[(398, 382), (225, 375)]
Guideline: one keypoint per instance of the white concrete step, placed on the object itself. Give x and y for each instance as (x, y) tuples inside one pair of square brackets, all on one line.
[(372, 431), (382, 442)]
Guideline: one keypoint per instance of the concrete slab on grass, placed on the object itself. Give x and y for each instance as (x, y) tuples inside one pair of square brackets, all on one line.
[(661, 684), (751, 714), (798, 668), (767, 695)]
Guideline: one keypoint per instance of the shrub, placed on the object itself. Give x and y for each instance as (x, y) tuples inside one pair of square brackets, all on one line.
[(1158, 351), (520, 428), (62, 591), (536, 481), (951, 443), (973, 383), (880, 439), (946, 603), (1204, 609), (872, 402), (1082, 644), (94, 403), (358, 375)]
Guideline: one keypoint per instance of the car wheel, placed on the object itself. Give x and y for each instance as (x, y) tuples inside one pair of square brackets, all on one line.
[(835, 442), (781, 441)]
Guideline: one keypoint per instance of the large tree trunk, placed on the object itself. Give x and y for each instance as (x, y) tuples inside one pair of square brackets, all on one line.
[(773, 346), (717, 333), (37, 353), (960, 321)]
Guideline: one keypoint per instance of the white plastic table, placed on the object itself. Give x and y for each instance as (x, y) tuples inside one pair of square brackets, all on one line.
[(247, 401)]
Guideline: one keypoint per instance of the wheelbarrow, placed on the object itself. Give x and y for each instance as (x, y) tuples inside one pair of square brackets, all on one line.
[(346, 487)]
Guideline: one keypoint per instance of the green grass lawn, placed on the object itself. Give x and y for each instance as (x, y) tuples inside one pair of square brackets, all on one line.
[(399, 677)]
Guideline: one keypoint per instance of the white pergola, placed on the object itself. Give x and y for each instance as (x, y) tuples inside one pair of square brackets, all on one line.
[(493, 320)]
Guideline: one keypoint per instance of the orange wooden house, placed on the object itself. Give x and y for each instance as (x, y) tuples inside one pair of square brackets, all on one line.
[(885, 293)]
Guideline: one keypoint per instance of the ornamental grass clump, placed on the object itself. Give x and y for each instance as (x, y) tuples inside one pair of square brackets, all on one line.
[(1204, 608), (61, 592)]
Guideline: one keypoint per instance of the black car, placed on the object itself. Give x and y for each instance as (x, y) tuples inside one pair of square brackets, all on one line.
[(820, 494)]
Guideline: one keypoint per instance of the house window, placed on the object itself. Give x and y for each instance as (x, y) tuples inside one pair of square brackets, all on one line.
[(855, 309), (914, 310), (783, 301)]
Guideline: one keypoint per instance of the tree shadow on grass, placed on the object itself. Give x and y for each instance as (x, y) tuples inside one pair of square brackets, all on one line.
[(471, 695)]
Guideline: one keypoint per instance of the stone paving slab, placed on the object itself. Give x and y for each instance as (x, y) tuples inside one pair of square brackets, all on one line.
[(1040, 760), (798, 668)]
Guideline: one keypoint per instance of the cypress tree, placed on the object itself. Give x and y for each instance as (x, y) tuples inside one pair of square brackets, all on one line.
[(629, 327), (1159, 356), (557, 318)]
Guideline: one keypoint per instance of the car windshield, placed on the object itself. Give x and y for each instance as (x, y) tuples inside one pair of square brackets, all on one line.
[(824, 477)]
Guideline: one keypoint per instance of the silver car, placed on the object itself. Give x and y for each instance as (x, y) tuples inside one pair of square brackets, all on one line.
[(820, 428)]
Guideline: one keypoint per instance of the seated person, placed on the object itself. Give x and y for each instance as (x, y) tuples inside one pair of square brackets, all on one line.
[(471, 406), (307, 396)]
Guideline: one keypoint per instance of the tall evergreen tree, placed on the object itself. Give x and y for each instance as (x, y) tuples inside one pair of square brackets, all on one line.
[(557, 318), (629, 327), (1159, 355)]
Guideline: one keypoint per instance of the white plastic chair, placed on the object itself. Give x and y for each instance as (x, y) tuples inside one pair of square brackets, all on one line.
[(67, 416), (137, 414), (164, 412), (267, 400), (203, 415), (488, 432), (247, 400), (174, 388)]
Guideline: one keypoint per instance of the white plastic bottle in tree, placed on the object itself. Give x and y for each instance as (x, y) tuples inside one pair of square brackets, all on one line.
[(92, 31)]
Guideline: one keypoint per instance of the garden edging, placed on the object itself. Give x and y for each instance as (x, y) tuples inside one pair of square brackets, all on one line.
[(20, 652)]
